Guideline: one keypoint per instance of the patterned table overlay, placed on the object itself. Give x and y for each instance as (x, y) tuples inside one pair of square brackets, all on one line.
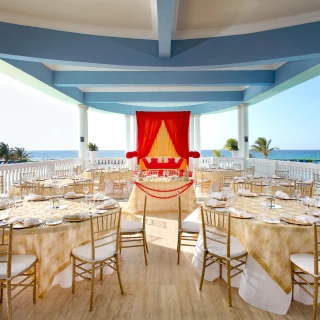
[(271, 244), (136, 200), (51, 244)]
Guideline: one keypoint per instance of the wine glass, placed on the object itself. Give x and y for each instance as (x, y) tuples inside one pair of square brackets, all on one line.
[(297, 194), (86, 191)]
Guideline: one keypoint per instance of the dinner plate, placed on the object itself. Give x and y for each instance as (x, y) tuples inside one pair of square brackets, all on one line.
[(77, 196), (53, 222), (19, 225), (102, 199), (3, 208), (245, 216), (299, 223), (271, 220), (285, 199), (75, 220), (251, 195), (221, 209), (3, 223), (100, 211)]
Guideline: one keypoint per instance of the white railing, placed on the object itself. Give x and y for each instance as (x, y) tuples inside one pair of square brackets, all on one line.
[(304, 170), (222, 162), (11, 172), (116, 162)]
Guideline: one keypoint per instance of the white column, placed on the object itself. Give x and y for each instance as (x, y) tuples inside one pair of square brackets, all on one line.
[(134, 142), (83, 133), (197, 136), (191, 139), (240, 131), (197, 133), (243, 132), (128, 127), (245, 124)]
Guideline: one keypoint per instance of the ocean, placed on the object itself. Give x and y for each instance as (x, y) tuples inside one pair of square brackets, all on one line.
[(41, 155)]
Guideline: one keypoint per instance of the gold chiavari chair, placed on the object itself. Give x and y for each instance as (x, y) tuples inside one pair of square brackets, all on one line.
[(135, 231), (304, 265), (187, 231), (122, 182), (61, 173), (223, 248), (242, 185), (227, 178), (14, 266), (27, 188), (305, 188), (257, 187), (99, 184), (77, 170), (96, 173), (200, 180), (78, 186), (250, 170), (26, 175), (1, 184), (102, 251), (282, 173), (316, 184)]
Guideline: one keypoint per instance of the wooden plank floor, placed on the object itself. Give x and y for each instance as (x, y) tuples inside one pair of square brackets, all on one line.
[(161, 290)]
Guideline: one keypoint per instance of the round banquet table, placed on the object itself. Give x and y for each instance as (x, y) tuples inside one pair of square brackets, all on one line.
[(266, 280), (51, 244), (49, 189), (155, 201)]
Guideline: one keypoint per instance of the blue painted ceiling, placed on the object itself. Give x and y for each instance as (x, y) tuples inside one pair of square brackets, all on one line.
[(203, 75)]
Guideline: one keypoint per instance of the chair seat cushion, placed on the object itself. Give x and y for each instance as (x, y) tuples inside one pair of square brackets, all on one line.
[(131, 226), (101, 253), (304, 261), (19, 263), (191, 226), (220, 249)]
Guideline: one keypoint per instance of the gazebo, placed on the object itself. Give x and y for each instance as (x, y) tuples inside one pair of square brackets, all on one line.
[(193, 57), (128, 56)]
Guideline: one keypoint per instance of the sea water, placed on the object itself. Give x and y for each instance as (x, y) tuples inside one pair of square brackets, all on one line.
[(38, 155)]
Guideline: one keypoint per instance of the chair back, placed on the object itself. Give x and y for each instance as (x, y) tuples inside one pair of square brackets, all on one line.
[(26, 175), (144, 212), (96, 174), (242, 185), (216, 227), (77, 170), (305, 188), (61, 173), (79, 185), (1, 184), (316, 248), (250, 170), (104, 231), (101, 185), (179, 212), (31, 188), (316, 184), (6, 247), (282, 173)]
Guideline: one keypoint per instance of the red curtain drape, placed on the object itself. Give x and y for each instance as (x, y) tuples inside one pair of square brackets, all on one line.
[(177, 124)]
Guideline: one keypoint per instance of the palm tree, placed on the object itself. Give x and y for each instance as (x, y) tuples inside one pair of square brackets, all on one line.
[(22, 154), (6, 153), (262, 145)]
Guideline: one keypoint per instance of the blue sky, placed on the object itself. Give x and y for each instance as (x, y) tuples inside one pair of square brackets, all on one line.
[(33, 120)]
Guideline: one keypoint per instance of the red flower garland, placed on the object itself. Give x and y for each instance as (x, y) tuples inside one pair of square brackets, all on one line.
[(182, 188)]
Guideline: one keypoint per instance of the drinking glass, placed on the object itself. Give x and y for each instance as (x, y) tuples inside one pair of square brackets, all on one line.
[(297, 194), (86, 191)]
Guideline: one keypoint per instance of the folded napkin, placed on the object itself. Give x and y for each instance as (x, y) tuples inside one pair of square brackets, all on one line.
[(308, 181), (306, 219), (239, 181), (281, 195), (70, 194), (288, 216), (217, 195), (275, 176), (32, 197), (309, 201), (241, 178), (285, 184), (98, 196), (245, 192), (29, 222), (3, 204), (215, 203), (109, 202), (238, 213)]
